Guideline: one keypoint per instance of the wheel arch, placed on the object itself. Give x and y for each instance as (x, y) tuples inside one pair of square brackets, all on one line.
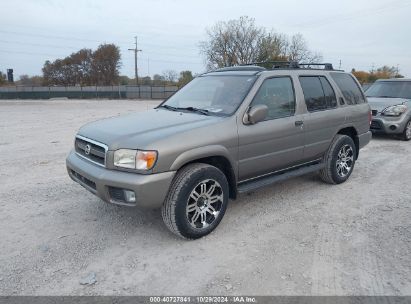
[(351, 132), (217, 156)]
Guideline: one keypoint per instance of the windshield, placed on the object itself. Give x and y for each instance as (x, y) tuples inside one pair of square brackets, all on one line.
[(392, 89), (219, 95)]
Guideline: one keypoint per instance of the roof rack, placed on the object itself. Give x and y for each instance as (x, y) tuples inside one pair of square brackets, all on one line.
[(248, 67), (272, 65), (327, 66), (290, 65)]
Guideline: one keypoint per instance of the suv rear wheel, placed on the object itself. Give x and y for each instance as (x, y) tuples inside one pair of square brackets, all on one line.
[(196, 201), (339, 160)]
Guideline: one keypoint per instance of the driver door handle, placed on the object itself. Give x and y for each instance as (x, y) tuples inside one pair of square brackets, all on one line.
[(299, 123)]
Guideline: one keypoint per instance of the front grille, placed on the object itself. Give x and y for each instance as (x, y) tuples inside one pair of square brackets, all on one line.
[(375, 125), (374, 112), (91, 150), (83, 180), (116, 194)]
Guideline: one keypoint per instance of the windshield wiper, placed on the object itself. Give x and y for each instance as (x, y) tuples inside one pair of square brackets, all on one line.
[(168, 107), (192, 109)]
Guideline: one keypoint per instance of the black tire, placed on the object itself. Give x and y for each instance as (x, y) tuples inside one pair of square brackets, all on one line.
[(184, 189), (331, 174), (406, 135)]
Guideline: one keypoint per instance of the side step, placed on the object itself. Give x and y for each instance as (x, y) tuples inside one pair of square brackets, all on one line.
[(277, 177)]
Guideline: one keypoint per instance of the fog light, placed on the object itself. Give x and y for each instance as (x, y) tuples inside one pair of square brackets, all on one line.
[(130, 196), (393, 127)]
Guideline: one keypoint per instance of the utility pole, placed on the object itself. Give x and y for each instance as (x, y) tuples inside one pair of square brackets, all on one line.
[(135, 50), (339, 67), (148, 66)]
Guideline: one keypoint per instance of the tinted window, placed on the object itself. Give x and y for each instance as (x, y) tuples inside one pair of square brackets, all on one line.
[(395, 89), (313, 93), (329, 93), (278, 94), (349, 88)]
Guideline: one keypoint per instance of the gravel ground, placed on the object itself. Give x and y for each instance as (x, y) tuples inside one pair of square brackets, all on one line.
[(299, 237)]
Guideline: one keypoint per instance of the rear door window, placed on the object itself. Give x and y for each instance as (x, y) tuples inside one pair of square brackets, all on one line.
[(318, 93), (349, 88)]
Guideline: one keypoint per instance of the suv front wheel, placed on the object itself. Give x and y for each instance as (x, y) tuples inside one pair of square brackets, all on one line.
[(406, 135), (339, 160), (196, 201)]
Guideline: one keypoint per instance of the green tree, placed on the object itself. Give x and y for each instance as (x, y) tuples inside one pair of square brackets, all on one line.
[(145, 80), (3, 79), (158, 79), (124, 80), (185, 77)]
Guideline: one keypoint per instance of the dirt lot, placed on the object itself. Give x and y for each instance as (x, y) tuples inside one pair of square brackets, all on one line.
[(299, 237)]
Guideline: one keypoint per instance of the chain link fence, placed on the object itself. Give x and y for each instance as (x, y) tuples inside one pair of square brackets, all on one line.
[(87, 92)]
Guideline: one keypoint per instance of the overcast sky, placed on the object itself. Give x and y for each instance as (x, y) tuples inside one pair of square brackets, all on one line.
[(359, 33)]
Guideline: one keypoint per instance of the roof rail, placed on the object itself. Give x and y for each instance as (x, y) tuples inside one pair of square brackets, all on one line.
[(272, 65), (247, 67), (327, 66), (290, 65)]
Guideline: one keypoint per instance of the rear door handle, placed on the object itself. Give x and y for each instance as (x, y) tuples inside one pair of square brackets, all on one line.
[(299, 123)]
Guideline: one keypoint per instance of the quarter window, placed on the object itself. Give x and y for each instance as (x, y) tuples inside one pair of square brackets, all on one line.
[(278, 95), (329, 93), (349, 88), (318, 93)]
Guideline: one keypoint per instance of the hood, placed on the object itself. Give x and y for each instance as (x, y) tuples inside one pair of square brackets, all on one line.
[(380, 103), (138, 130)]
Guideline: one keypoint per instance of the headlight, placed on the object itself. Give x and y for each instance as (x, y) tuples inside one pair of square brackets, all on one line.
[(135, 159), (394, 110)]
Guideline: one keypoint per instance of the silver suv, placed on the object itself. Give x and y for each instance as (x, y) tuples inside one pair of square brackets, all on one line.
[(227, 132), (390, 101)]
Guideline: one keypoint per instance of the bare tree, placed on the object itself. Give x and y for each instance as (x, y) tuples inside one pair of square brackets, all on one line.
[(297, 50), (30, 81), (170, 76), (233, 42), (272, 47), (241, 41)]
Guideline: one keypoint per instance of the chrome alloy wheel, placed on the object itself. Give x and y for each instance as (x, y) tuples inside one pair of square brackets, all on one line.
[(408, 130), (204, 204), (345, 160)]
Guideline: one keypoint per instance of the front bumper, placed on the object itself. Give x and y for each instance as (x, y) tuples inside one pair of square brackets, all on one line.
[(388, 124), (150, 190)]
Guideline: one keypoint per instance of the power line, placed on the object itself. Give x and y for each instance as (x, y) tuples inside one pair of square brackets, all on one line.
[(77, 48), (54, 55), (393, 5), (90, 40)]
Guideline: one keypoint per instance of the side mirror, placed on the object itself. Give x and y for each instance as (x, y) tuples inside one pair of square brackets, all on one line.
[(256, 114)]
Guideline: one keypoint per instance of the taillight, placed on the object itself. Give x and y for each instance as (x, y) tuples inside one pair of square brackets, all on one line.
[(370, 117)]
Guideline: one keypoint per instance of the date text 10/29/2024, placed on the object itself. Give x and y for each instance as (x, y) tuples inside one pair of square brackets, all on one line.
[(218, 299)]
